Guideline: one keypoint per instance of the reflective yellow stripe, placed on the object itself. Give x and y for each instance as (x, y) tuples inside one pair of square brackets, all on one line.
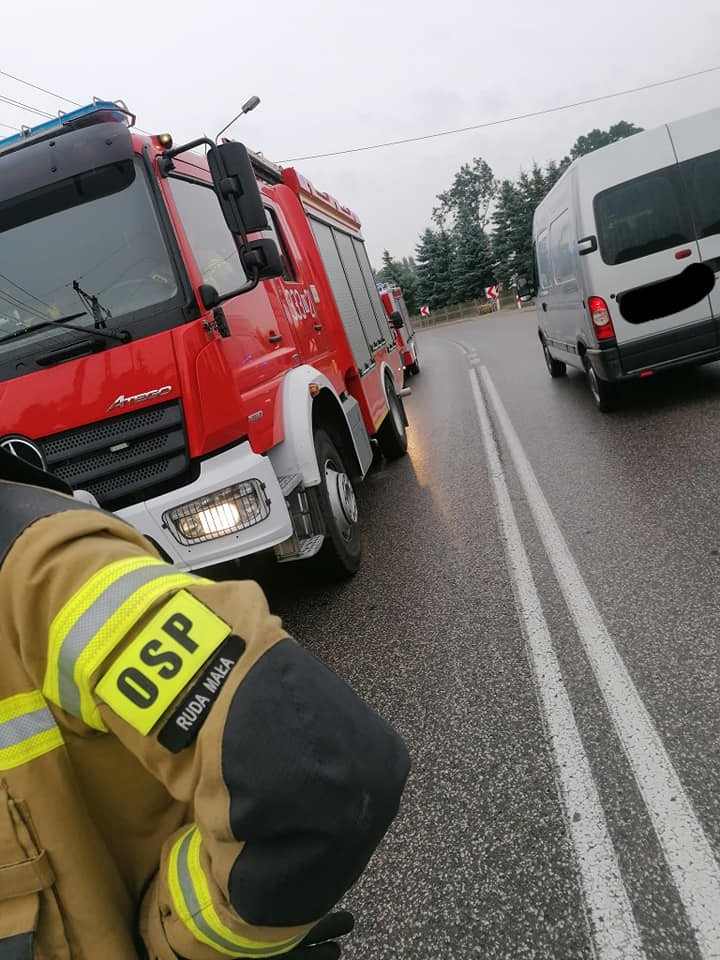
[(76, 606), (92, 623), (27, 730), (193, 903)]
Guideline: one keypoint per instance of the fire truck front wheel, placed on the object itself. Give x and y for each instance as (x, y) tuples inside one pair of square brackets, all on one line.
[(340, 553), (392, 436)]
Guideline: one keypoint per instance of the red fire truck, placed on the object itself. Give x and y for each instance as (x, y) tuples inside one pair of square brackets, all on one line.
[(399, 318), (195, 338)]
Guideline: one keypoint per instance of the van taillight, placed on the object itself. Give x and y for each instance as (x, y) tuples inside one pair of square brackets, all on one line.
[(601, 318)]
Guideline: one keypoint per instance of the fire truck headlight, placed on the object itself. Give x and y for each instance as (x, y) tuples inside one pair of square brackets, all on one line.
[(218, 514)]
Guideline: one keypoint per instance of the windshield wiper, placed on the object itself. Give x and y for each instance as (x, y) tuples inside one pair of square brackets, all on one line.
[(122, 336), (97, 311)]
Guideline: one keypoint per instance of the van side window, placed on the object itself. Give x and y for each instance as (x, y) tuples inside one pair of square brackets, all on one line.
[(702, 179), (561, 252), (642, 216), (274, 233), (543, 261)]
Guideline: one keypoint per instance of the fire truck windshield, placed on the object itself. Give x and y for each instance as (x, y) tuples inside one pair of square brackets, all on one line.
[(98, 231)]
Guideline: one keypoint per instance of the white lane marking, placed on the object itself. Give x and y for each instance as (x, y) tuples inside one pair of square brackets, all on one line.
[(613, 927), (470, 352), (688, 852)]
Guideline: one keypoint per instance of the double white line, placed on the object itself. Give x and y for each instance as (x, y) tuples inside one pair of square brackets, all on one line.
[(688, 853)]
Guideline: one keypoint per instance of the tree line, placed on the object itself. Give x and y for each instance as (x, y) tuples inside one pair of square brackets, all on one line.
[(481, 232)]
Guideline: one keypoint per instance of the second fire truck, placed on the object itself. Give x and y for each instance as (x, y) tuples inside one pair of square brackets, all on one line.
[(399, 318)]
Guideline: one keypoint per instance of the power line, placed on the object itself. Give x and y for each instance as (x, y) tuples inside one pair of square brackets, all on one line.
[(51, 93), (497, 123), (25, 106), (34, 86)]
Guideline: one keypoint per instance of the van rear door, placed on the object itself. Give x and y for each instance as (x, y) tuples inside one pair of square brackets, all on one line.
[(697, 145), (634, 195)]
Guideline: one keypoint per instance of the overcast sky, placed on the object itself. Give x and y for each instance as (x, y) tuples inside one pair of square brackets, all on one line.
[(333, 75)]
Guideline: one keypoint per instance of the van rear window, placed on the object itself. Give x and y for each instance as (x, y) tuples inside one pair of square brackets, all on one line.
[(642, 216)]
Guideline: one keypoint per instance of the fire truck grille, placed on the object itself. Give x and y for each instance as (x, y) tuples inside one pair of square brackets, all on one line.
[(125, 459)]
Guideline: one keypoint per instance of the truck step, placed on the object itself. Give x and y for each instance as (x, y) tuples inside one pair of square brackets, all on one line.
[(310, 546), (289, 483), (307, 548)]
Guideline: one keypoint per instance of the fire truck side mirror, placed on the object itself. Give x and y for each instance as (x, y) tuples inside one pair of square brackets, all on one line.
[(237, 188), (209, 296), (263, 256), (395, 320)]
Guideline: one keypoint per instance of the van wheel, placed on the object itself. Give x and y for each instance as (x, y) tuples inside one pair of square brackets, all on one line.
[(604, 394), (339, 556), (556, 368), (392, 436)]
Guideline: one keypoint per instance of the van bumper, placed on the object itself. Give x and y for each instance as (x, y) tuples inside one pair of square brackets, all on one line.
[(687, 346), (606, 363)]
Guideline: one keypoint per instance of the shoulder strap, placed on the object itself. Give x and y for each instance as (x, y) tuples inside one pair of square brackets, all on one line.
[(21, 506)]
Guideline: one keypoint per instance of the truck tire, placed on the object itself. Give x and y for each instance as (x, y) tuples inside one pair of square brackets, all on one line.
[(605, 395), (392, 436), (414, 368), (340, 554), (556, 368)]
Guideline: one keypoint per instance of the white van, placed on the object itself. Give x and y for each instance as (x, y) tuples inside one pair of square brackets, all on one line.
[(629, 219)]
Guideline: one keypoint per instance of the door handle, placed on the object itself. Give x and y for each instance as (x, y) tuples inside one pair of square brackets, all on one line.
[(275, 337), (317, 326), (544, 306)]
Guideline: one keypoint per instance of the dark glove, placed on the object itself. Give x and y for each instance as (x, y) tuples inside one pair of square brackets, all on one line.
[(318, 944)]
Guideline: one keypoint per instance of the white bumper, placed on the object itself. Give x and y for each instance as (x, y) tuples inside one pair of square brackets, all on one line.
[(233, 466)]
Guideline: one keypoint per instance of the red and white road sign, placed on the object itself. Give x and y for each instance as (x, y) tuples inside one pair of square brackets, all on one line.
[(491, 293), (424, 311)]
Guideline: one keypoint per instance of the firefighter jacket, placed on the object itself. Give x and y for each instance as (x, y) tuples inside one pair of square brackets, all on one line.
[(177, 775)]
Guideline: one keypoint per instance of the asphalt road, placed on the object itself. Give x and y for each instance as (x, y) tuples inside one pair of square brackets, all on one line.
[(537, 613)]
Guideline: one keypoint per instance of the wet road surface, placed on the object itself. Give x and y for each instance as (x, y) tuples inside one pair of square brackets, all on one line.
[(537, 613)]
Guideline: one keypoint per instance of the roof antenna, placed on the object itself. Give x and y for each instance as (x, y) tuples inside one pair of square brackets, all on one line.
[(246, 108)]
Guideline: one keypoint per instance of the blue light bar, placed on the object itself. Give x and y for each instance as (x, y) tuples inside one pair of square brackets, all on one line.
[(99, 111)]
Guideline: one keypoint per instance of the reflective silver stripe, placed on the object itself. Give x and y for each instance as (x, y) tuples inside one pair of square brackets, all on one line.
[(15, 731), (27, 729), (191, 901), (193, 905), (90, 622)]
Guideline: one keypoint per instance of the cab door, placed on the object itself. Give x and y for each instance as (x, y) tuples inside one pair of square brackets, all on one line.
[(298, 296), (260, 346)]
